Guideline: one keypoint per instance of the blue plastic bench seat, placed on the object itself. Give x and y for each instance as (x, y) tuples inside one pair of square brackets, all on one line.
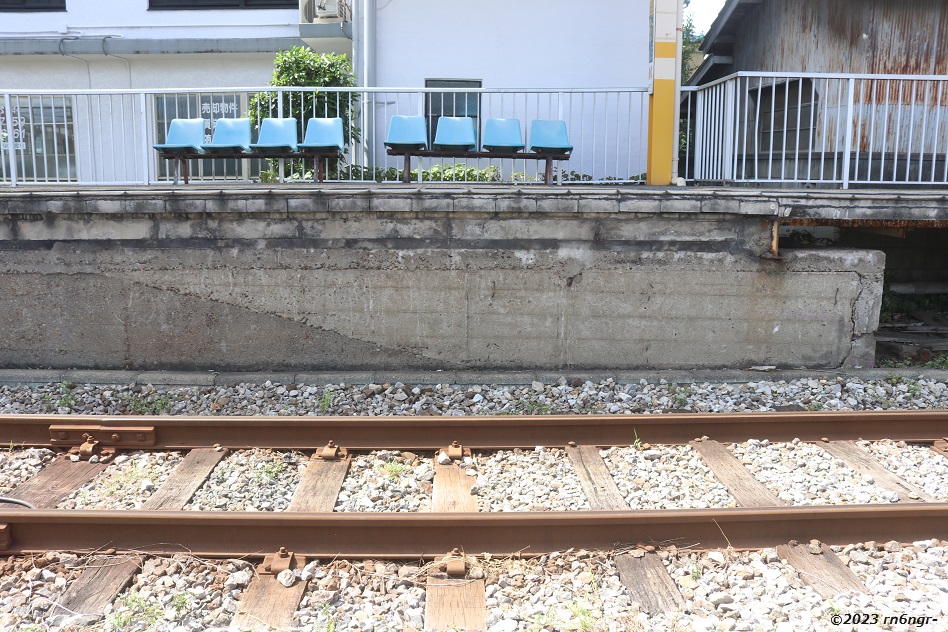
[(549, 137), (323, 135), (502, 135), (185, 136), (407, 133), (277, 136), (231, 136), (324, 138), (455, 133)]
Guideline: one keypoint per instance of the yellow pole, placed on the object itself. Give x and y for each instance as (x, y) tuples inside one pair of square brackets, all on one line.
[(663, 101)]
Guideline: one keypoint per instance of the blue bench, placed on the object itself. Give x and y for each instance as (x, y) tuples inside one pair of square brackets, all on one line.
[(277, 139), (456, 138)]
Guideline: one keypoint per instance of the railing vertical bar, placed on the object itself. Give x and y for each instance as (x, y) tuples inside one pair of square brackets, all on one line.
[(872, 127), (783, 132), (734, 106), (796, 140), (43, 138), (773, 109), (935, 130), (857, 130), (125, 158), (922, 131), (811, 140), (885, 130), (143, 121), (898, 132), (11, 147), (848, 141), (30, 143), (758, 131), (742, 96), (910, 133), (66, 135), (52, 111)]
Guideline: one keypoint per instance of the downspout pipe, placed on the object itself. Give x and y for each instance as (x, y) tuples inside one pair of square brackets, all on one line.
[(357, 26), (369, 37), (678, 54)]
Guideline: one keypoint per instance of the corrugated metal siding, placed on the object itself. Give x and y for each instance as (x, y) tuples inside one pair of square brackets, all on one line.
[(858, 36)]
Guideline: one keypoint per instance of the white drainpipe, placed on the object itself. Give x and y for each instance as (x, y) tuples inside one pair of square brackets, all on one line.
[(357, 25), (368, 43)]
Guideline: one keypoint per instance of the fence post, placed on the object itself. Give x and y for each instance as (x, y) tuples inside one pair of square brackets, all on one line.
[(848, 144), (727, 130), (559, 115), (11, 147), (146, 153), (699, 135)]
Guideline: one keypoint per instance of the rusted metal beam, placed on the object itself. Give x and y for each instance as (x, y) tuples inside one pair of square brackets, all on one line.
[(426, 535), (405, 433), (865, 222)]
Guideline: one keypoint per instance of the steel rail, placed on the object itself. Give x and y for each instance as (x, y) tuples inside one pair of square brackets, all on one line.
[(482, 432), (399, 536)]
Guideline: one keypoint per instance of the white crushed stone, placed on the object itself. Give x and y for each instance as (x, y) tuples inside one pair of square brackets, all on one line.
[(368, 596), (125, 484), (918, 465), (557, 592), (387, 480), (269, 398), (20, 465), (901, 579), (542, 479), (181, 593), (251, 480), (801, 473), (30, 586), (665, 477)]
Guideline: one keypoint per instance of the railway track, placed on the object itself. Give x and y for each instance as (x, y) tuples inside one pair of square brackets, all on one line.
[(453, 533)]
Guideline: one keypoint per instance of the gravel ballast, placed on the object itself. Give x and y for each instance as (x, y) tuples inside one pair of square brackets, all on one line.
[(251, 480), (665, 477), (723, 590), (801, 473), (19, 465), (442, 399), (387, 480), (127, 484), (527, 480)]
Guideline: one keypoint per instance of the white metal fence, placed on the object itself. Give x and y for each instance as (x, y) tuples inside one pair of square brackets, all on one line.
[(106, 137), (803, 128)]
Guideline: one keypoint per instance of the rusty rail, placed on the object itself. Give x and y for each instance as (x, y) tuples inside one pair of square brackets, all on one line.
[(482, 432), (397, 536)]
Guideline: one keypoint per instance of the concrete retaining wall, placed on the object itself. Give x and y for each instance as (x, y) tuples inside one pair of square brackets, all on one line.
[(420, 280)]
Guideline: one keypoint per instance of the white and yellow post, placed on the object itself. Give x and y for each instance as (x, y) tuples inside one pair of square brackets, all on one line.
[(664, 104)]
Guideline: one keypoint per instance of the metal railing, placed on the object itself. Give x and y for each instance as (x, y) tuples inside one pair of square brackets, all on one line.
[(809, 128), (106, 137)]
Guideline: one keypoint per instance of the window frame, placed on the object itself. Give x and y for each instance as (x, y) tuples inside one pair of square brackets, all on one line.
[(48, 6), (208, 5), (431, 98)]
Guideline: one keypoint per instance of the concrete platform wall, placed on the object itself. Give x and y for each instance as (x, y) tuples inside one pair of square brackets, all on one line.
[(425, 280)]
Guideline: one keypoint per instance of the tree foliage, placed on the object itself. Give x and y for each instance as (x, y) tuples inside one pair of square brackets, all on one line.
[(691, 56), (303, 67)]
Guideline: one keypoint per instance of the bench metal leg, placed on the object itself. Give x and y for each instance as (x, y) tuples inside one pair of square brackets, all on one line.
[(177, 167), (185, 170), (548, 176), (320, 172), (406, 176)]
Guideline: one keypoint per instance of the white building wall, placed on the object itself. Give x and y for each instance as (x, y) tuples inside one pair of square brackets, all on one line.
[(101, 72), (521, 45), (132, 19), (513, 44)]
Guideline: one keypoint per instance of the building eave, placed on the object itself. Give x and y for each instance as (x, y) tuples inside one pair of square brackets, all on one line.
[(720, 37)]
